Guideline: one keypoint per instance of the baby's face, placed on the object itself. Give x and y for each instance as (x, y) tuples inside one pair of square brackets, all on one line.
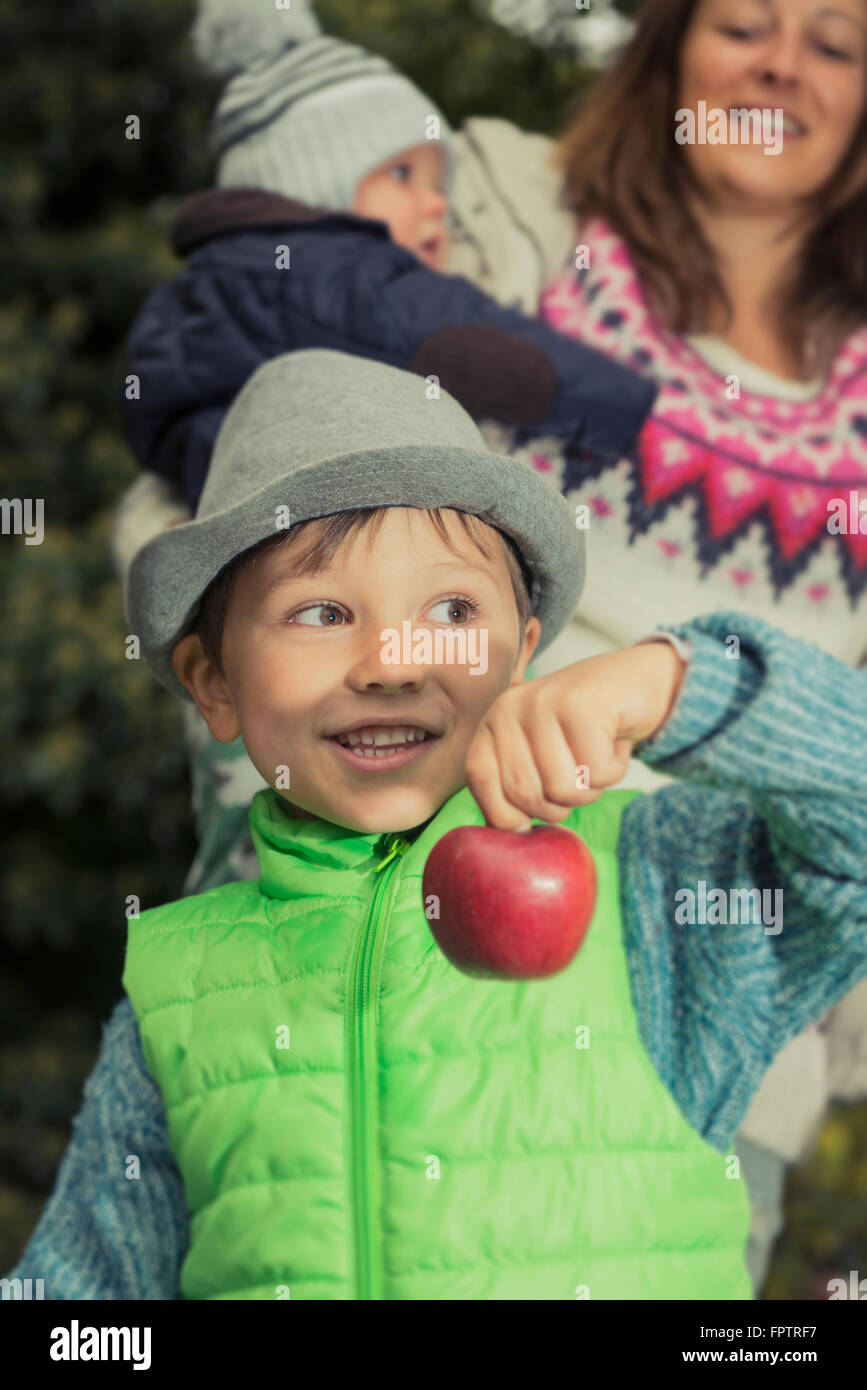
[(309, 672), (406, 193)]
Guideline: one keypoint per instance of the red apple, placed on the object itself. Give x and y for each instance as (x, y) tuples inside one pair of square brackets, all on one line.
[(512, 906)]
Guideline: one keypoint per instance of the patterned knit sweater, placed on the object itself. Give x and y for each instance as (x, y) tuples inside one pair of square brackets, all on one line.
[(725, 500)]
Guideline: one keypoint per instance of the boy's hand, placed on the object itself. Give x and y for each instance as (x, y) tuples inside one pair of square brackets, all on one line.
[(557, 741)]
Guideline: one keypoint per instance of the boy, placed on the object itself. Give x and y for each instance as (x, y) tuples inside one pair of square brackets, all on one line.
[(329, 1109)]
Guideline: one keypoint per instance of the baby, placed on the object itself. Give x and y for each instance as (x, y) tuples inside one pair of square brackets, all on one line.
[(328, 228)]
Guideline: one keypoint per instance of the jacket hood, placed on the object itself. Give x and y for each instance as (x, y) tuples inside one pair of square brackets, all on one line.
[(203, 216)]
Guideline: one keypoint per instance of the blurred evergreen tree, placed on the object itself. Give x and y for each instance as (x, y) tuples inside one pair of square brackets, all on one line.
[(92, 781), (93, 784)]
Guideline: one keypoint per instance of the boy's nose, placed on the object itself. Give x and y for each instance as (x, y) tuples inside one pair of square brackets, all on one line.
[(395, 686), (375, 671)]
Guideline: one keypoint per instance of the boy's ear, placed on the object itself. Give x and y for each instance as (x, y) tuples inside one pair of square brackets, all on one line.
[(195, 670), (532, 633)]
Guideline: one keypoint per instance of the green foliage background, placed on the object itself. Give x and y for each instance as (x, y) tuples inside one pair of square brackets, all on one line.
[(94, 791)]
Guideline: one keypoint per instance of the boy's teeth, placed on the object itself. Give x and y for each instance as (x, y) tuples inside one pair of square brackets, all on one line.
[(370, 740)]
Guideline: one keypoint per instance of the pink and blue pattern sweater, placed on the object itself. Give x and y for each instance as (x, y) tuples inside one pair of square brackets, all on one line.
[(724, 501)]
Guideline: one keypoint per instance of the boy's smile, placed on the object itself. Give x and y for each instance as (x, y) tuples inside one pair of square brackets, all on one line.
[(382, 746), (329, 717)]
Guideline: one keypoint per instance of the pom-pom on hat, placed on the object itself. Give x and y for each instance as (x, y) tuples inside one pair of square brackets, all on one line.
[(304, 114)]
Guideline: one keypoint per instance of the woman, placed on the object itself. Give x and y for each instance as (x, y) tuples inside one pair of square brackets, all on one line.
[(737, 279)]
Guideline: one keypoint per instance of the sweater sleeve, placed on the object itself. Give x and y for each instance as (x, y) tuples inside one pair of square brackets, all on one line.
[(111, 1228), (199, 337), (745, 884)]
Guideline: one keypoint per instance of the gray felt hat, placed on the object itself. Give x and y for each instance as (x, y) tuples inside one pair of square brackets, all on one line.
[(321, 432)]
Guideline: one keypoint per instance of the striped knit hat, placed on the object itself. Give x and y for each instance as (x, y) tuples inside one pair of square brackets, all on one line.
[(303, 114)]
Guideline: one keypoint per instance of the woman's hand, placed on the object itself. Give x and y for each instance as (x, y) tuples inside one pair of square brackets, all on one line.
[(558, 741)]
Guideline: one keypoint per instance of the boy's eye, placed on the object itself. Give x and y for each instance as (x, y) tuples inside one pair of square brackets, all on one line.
[(332, 615), (459, 610), (401, 172)]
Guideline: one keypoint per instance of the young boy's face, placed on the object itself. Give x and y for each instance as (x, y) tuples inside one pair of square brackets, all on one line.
[(406, 193), (305, 662)]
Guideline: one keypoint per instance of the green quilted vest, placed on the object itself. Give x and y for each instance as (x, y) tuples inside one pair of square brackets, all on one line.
[(354, 1118)]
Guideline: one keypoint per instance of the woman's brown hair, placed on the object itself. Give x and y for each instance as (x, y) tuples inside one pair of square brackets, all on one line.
[(620, 161)]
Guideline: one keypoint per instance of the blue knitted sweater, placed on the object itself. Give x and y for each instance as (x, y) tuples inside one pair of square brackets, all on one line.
[(771, 747)]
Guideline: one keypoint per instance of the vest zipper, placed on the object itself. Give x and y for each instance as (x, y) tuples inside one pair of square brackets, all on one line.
[(361, 1032)]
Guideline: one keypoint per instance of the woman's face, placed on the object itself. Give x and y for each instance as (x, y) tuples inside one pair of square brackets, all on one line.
[(808, 57)]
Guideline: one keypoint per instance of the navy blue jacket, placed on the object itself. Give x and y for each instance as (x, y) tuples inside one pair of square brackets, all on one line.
[(348, 287)]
